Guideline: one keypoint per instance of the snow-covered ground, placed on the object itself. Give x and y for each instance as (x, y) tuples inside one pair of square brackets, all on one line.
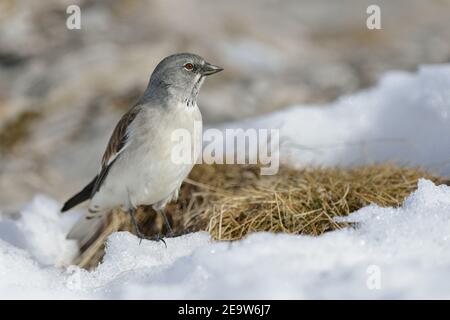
[(393, 253), (405, 118)]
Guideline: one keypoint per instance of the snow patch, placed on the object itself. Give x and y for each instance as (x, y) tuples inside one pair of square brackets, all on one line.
[(41, 230), (408, 247), (405, 118)]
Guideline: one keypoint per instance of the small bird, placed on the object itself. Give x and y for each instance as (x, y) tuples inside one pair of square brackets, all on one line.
[(137, 168)]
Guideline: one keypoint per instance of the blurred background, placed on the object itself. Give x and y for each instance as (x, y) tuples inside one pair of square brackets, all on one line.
[(62, 91)]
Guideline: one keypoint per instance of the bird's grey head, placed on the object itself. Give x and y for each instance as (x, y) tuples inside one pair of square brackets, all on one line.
[(180, 77)]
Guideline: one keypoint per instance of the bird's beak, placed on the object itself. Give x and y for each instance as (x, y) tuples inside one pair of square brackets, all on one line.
[(209, 69)]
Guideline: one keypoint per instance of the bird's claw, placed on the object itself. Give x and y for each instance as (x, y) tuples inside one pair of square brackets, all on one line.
[(153, 238)]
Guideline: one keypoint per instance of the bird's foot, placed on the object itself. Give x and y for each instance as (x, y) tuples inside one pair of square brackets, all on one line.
[(158, 237), (139, 234)]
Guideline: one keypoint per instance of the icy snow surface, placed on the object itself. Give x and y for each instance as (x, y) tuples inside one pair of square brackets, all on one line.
[(392, 253), (405, 118)]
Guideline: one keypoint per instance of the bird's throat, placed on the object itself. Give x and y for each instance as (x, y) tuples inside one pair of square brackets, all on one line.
[(191, 99)]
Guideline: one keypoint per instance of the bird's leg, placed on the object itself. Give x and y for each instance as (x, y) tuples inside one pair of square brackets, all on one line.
[(139, 234), (166, 221)]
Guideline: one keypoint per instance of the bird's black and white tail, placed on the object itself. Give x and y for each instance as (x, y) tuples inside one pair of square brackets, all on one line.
[(85, 230), (80, 197)]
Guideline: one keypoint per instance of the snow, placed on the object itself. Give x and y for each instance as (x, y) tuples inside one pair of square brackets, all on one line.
[(405, 118), (399, 252), (41, 230), (407, 247)]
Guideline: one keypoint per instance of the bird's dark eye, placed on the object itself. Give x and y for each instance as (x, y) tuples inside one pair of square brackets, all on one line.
[(189, 66)]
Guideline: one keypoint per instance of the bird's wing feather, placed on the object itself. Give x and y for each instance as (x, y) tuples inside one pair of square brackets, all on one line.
[(119, 136), (117, 143)]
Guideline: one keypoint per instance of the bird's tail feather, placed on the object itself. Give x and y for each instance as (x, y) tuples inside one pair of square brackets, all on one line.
[(85, 231), (81, 196)]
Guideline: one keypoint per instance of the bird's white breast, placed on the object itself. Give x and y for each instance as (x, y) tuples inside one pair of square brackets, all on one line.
[(145, 173)]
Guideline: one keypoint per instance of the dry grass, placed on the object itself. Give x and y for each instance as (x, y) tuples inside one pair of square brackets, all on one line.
[(231, 201)]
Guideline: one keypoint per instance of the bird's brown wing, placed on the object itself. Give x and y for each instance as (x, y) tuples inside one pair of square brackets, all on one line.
[(115, 145), (119, 136)]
